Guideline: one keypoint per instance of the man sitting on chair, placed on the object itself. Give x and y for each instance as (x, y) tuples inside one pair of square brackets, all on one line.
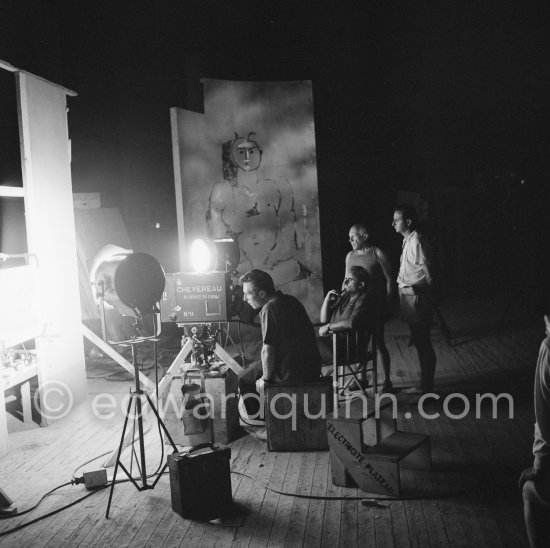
[(289, 350), (351, 309)]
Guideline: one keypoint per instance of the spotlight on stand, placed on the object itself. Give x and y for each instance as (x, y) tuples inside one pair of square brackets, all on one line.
[(131, 282), (203, 295), (126, 285)]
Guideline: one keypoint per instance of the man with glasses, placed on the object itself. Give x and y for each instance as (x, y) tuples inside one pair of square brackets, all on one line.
[(350, 309), (415, 299)]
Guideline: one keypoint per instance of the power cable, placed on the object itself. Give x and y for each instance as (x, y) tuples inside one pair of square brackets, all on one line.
[(371, 499)]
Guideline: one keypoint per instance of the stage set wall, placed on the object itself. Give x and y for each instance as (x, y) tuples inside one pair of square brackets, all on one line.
[(272, 209), (47, 186)]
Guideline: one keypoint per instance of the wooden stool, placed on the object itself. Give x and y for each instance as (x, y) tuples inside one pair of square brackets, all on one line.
[(296, 415)]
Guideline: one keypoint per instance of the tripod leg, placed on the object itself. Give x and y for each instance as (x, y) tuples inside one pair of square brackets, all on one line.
[(161, 423), (118, 455), (141, 442)]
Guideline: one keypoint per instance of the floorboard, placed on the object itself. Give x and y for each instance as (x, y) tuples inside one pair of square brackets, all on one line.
[(469, 498)]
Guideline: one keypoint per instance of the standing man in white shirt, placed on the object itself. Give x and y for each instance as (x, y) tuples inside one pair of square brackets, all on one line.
[(415, 298)]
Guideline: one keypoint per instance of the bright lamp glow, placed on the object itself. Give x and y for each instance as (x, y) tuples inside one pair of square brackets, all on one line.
[(202, 255)]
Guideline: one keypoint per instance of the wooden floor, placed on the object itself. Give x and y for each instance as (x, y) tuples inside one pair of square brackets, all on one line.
[(470, 498)]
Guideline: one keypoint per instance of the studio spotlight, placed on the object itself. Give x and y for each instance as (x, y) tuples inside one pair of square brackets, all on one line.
[(221, 255), (130, 282)]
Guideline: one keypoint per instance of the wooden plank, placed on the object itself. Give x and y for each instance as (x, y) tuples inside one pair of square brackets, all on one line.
[(283, 512), (157, 506), (332, 516), (353, 526), (416, 530), (300, 508), (176, 533), (424, 488), (167, 521), (147, 502), (256, 495), (460, 438), (445, 506), (376, 523), (321, 477), (262, 530)]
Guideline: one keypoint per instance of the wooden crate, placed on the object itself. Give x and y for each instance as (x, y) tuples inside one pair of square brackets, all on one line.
[(299, 431)]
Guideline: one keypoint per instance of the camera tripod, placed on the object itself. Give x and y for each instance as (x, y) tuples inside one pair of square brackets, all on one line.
[(135, 407)]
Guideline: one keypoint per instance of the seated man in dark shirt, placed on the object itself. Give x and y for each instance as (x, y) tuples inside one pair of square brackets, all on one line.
[(289, 350), (353, 309)]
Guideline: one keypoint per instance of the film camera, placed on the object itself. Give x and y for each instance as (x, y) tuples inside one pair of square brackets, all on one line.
[(195, 297), (208, 294)]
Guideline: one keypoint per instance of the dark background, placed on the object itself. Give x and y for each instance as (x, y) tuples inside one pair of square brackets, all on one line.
[(446, 99)]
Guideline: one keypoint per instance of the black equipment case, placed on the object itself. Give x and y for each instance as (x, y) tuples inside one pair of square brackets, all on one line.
[(200, 481)]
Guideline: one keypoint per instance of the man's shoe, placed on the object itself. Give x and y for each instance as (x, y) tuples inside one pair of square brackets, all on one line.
[(412, 391), (261, 434), (245, 420), (387, 388)]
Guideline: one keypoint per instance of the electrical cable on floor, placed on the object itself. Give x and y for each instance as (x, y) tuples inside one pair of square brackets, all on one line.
[(58, 510), (36, 505), (370, 499), (53, 512), (367, 501)]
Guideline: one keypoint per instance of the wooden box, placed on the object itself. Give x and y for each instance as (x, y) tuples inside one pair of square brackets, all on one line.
[(296, 415)]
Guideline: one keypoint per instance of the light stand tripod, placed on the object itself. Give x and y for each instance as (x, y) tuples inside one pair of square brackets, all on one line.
[(135, 402)]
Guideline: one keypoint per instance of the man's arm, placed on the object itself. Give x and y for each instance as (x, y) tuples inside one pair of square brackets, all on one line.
[(326, 308), (425, 256), (427, 272), (358, 317), (268, 366), (268, 361), (386, 269)]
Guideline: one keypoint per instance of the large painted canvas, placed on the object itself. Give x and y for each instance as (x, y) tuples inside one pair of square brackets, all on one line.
[(246, 169)]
